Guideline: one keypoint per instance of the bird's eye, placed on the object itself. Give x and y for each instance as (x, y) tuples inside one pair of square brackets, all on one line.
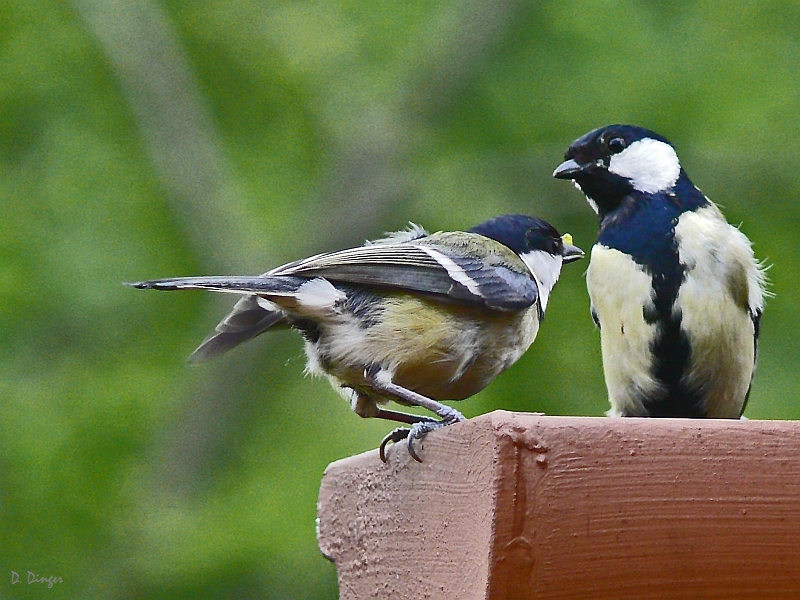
[(616, 144)]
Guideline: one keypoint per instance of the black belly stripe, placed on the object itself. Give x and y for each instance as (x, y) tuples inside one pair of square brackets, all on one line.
[(671, 356), (650, 241)]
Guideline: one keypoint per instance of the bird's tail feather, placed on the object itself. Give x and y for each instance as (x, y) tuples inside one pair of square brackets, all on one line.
[(249, 317), (271, 286)]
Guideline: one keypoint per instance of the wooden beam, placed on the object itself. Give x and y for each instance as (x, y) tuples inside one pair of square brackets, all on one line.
[(511, 505)]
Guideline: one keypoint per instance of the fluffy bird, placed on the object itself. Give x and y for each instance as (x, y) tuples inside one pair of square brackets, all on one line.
[(675, 289), (415, 317)]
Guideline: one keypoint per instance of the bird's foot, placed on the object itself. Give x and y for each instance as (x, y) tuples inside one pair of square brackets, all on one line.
[(416, 432), (393, 436)]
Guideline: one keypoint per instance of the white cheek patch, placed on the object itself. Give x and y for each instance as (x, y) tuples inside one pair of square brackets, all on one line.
[(545, 269), (650, 165)]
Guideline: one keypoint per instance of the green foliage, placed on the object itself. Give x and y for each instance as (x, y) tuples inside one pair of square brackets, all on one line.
[(130, 475)]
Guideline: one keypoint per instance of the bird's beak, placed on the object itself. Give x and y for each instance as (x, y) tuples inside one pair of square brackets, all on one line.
[(568, 169), (570, 252)]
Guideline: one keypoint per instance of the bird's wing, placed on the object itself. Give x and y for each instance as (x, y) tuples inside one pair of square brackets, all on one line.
[(247, 320), (429, 269)]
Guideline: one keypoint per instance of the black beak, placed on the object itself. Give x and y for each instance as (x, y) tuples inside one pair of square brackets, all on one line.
[(569, 169), (570, 253)]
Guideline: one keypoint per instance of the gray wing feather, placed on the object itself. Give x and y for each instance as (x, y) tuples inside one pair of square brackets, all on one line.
[(453, 277), (409, 267), (247, 320)]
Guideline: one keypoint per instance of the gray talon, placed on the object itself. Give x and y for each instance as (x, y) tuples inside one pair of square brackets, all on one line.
[(420, 429), (393, 436)]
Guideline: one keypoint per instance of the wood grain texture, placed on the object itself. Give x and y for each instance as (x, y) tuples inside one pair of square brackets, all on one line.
[(509, 506)]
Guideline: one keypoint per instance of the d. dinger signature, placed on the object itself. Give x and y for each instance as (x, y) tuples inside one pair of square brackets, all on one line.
[(36, 578)]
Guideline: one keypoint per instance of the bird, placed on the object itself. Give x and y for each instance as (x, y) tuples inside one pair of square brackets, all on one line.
[(676, 291), (414, 317)]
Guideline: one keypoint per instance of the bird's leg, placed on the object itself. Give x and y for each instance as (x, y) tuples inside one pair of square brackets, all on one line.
[(365, 406), (400, 433), (401, 417), (380, 382)]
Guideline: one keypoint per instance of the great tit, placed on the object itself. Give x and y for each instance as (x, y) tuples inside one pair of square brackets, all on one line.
[(675, 289), (414, 317)]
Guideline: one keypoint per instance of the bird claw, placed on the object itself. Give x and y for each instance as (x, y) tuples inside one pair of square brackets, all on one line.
[(416, 432), (399, 434), (393, 436)]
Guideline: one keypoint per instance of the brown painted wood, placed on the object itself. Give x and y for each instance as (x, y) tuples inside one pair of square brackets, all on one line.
[(510, 505)]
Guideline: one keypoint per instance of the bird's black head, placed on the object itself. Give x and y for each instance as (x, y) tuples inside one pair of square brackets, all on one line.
[(611, 162), (524, 234)]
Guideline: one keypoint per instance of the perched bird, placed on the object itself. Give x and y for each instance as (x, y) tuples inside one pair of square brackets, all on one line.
[(413, 317), (675, 289)]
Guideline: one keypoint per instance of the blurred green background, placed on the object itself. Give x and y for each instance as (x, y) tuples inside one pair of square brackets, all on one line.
[(149, 139)]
